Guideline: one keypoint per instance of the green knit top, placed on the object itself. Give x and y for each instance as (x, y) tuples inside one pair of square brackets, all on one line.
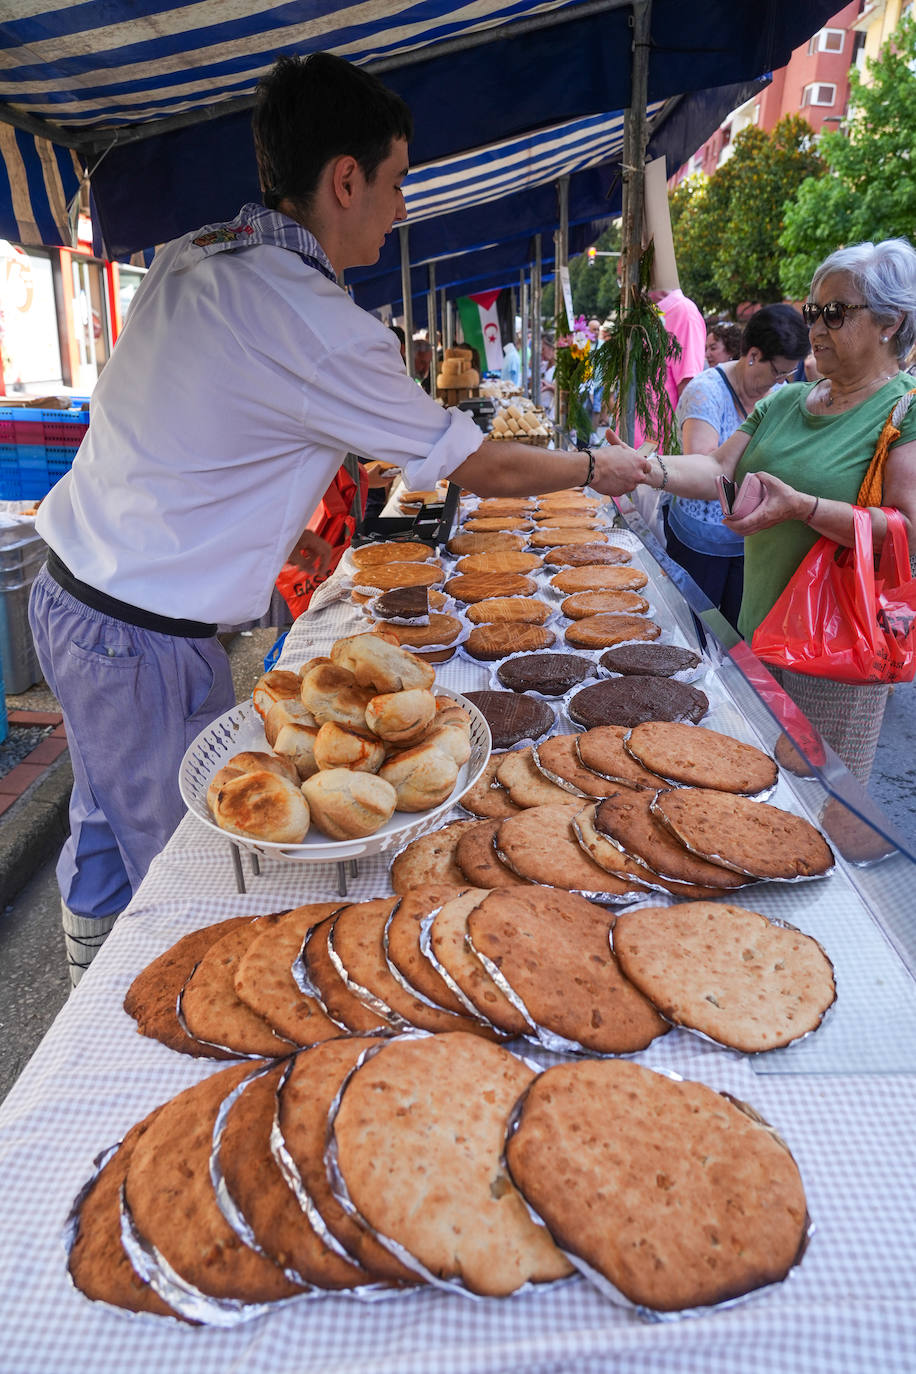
[(824, 455)]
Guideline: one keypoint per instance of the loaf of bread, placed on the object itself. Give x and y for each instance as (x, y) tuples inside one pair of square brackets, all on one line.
[(338, 747), (262, 806), (401, 717), (346, 805)]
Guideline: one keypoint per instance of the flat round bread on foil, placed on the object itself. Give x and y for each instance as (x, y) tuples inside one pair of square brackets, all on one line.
[(698, 757), (430, 859), (212, 1009), (554, 950), (488, 799), (526, 784), (629, 818), (341, 1003), (601, 749), (255, 1183), (557, 757), (631, 700), (749, 837), (479, 862), (264, 977), (357, 942), (727, 972), (402, 944), (152, 998), (443, 1103), (664, 1189), (98, 1262), (173, 1204), (541, 845), (452, 954), (303, 1107)]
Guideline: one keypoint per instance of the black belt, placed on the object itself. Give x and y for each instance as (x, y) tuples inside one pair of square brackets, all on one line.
[(122, 610)]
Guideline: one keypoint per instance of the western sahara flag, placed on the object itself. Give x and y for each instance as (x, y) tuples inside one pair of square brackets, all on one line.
[(480, 327)]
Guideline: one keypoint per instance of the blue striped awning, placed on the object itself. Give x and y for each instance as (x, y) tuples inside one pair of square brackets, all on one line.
[(152, 97)]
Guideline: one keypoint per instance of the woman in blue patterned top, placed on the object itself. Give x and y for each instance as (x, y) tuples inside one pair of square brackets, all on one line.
[(711, 408)]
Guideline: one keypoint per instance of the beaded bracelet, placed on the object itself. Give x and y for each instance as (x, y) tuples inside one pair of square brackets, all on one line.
[(664, 469), (591, 467)]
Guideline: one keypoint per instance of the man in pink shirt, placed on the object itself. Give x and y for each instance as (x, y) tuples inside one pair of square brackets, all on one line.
[(682, 320)]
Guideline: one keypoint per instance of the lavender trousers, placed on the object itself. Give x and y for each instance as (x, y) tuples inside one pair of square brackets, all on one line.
[(132, 701)]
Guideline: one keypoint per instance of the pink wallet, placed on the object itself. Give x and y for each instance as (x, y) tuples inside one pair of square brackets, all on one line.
[(747, 498)]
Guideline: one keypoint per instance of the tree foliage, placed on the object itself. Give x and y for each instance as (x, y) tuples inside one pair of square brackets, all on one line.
[(870, 192), (594, 289), (727, 227)]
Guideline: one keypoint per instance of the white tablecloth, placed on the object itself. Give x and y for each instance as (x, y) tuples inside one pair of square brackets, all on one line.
[(845, 1101)]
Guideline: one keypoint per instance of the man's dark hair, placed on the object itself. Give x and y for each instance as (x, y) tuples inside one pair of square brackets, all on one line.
[(778, 331), (312, 109)]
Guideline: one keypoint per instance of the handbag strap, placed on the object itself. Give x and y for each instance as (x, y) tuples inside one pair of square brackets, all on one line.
[(872, 488), (735, 397)]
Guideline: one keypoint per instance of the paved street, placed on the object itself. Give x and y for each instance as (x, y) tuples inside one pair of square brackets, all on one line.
[(33, 976)]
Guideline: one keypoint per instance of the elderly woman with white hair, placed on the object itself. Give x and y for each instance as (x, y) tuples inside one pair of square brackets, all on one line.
[(811, 445)]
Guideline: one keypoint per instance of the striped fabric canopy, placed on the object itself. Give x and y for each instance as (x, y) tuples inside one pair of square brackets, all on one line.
[(151, 98)]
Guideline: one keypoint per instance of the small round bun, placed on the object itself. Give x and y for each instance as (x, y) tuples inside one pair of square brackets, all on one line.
[(376, 662), (338, 747), (250, 761), (331, 692), (287, 711), (272, 687), (346, 805), (296, 743), (401, 717), (422, 776), (262, 806)]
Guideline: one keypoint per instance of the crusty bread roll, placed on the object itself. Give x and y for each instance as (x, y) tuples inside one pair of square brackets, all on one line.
[(295, 742), (346, 804), (262, 806), (451, 738), (378, 663), (311, 663), (250, 761), (422, 776), (337, 747), (331, 692), (287, 711), (273, 686), (401, 717)]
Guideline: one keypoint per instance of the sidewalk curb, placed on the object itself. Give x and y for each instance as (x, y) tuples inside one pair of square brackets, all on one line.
[(34, 828)]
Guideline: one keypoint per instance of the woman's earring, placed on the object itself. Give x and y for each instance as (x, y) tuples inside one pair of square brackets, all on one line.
[(884, 338)]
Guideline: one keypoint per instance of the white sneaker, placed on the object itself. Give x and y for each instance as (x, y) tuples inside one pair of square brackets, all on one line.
[(84, 936)]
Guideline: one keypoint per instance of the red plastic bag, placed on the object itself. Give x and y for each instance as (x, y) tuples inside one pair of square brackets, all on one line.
[(837, 619), (335, 520)]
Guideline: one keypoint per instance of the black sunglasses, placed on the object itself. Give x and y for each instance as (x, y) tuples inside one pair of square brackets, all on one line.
[(834, 313)]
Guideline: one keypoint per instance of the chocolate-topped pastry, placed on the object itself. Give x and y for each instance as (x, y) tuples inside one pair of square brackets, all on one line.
[(404, 603), (512, 718), (549, 674), (581, 555), (631, 700), (651, 660)]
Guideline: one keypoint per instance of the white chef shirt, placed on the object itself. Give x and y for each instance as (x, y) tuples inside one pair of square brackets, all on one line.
[(240, 382)]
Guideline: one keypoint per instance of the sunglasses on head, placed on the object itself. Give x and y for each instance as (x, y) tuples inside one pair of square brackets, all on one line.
[(834, 313)]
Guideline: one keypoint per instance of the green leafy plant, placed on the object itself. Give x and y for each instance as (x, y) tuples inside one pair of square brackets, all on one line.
[(633, 362)]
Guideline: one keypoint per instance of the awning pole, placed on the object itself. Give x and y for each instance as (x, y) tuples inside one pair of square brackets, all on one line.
[(523, 328), (431, 329), (635, 138), (561, 249), (445, 316), (536, 287), (407, 298)]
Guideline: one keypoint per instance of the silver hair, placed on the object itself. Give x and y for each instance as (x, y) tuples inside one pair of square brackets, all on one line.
[(885, 273)]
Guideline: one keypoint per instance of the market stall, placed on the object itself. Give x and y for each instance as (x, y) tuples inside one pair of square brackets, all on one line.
[(841, 1099)]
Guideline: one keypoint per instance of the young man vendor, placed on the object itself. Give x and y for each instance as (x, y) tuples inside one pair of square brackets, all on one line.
[(244, 375)]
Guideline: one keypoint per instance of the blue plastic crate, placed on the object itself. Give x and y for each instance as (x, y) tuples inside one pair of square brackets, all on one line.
[(10, 484)]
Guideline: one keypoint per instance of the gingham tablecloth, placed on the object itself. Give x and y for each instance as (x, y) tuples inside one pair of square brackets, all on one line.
[(844, 1100)]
